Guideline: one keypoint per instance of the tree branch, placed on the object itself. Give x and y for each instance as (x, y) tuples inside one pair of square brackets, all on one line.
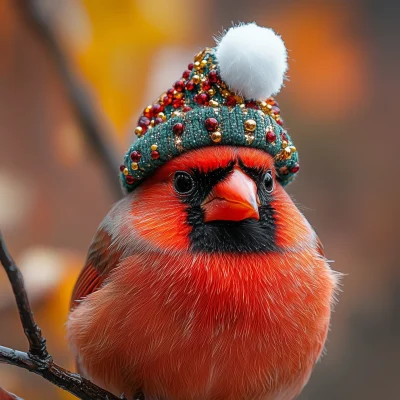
[(37, 343), (37, 359), (94, 129)]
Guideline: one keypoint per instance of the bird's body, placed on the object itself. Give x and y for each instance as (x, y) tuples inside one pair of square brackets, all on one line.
[(185, 298)]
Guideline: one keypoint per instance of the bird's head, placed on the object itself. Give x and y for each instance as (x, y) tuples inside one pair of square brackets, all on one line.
[(211, 159), (217, 199)]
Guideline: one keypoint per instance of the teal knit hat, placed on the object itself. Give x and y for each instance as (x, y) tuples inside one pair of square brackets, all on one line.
[(223, 98)]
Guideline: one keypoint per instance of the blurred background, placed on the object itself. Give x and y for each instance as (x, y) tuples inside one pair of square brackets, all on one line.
[(341, 106)]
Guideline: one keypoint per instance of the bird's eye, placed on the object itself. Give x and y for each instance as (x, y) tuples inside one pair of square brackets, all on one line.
[(183, 182), (269, 182)]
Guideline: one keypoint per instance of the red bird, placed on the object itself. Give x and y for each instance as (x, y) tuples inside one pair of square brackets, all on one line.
[(205, 282)]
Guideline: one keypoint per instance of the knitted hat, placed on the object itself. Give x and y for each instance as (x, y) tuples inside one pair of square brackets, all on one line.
[(223, 98)]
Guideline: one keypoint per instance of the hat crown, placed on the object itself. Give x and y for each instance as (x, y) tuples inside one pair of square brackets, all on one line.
[(202, 109)]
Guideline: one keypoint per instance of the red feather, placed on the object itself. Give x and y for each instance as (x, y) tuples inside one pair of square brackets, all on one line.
[(102, 258)]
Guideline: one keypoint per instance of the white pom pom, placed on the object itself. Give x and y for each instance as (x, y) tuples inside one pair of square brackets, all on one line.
[(252, 61)]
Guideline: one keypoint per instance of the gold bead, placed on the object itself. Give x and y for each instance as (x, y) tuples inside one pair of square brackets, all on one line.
[(216, 137), (225, 93), (283, 170), (249, 138), (239, 99), (264, 106), (154, 147), (162, 116), (197, 65), (125, 171), (211, 92), (250, 125), (199, 55), (178, 143), (196, 79), (139, 130), (203, 63), (284, 144), (152, 124), (175, 114), (178, 95), (213, 103), (134, 166), (148, 108)]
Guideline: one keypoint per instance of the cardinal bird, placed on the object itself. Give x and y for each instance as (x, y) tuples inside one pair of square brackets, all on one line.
[(205, 282)]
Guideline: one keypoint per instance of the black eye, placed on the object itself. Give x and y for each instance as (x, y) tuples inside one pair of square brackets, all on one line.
[(269, 182), (183, 182)]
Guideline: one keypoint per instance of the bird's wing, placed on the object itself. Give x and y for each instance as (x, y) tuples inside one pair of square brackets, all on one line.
[(103, 257)]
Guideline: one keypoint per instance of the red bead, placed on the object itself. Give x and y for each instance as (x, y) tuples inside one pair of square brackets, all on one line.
[(121, 168), (211, 124), (156, 108), (190, 85), (271, 136), (284, 136), (167, 100), (170, 92), (135, 156), (158, 121), (186, 108), (143, 122), (213, 76), (201, 99), (295, 168), (206, 85), (179, 86), (129, 179), (204, 97), (155, 155), (190, 66), (279, 122), (178, 128), (230, 101), (251, 104), (177, 103), (186, 74)]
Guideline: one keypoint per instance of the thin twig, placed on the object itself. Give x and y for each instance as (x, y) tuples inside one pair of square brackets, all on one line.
[(37, 343), (38, 360), (69, 381), (93, 126)]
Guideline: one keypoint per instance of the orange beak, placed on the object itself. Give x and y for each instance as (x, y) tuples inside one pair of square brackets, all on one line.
[(233, 199)]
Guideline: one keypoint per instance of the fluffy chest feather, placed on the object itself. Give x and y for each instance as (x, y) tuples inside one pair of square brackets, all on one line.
[(206, 326)]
